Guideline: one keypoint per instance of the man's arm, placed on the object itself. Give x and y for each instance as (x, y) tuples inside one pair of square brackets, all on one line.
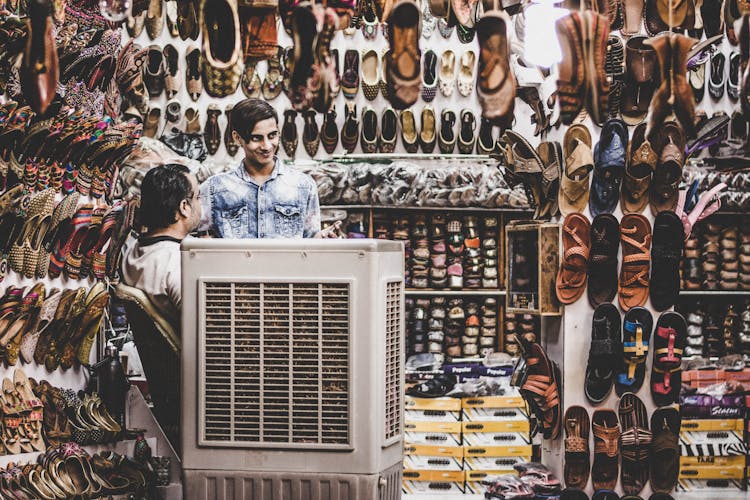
[(312, 213)]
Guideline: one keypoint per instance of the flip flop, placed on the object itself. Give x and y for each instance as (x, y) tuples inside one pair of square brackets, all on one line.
[(666, 372)]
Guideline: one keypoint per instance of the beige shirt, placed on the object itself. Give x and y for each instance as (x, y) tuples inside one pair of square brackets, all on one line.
[(153, 266)]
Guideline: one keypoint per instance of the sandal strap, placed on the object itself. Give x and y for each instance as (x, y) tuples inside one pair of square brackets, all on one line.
[(608, 440)]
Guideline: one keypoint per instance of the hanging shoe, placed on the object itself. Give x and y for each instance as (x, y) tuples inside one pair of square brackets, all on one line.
[(222, 52), (447, 137), (409, 135), (428, 135), (230, 143), (172, 83), (496, 86), (273, 82), (388, 131), (289, 137), (369, 135), (193, 73), (310, 133), (402, 67), (350, 130), (329, 132), (154, 19), (39, 71)]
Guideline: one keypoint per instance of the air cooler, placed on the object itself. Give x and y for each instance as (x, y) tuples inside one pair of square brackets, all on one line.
[(292, 378)]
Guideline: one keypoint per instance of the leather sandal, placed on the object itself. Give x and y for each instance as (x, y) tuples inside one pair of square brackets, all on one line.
[(638, 172), (542, 391), (576, 447), (632, 18), (402, 66), (665, 449), (579, 161), (602, 265), (496, 85), (552, 158), (669, 342), (664, 191), (635, 234), (636, 333), (635, 439), (571, 278), (605, 351), (666, 254), (606, 432), (571, 83), (610, 156)]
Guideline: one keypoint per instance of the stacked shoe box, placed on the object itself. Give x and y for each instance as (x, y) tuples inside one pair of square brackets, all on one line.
[(420, 261), (717, 256), (716, 327), (433, 453), (496, 436), (401, 233), (712, 441), (526, 325)]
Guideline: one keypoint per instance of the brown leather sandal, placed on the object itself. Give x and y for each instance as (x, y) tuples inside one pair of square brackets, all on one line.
[(572, 276), (606, 432), (636, 439), (665, 449), (571, 83), (576, 447), (579, 162), (638, 172), (635, 235), (541, 390)]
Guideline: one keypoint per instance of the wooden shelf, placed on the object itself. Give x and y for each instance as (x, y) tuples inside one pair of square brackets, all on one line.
[(417, 209), (709, 293)]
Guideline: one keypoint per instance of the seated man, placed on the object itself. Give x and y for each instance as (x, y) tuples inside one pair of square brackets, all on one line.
[(170, 210), (262, 197)]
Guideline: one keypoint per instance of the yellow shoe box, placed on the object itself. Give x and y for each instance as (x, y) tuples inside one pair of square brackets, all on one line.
[(502, 426), (433, 450), (736, 461), (432, 427), (494, 402), (719, 437), (433, 438), (423, 462), (432, 482), (712, 472), (432, 416), (482, 463), (446, 404), (494, 414)]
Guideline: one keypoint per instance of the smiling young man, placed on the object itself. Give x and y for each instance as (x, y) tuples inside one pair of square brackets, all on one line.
[(262, 198)]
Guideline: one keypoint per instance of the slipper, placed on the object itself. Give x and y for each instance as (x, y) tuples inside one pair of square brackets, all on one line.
[(636, 333), (635, 440), (602, 265), (579, 162), (666, 253), (669, 343), (571, 278), (665, 450), (604, 353), (576, 473), (606, 432), (635, 234)]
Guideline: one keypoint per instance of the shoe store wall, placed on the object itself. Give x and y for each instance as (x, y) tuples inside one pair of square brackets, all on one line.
[(461, 86)]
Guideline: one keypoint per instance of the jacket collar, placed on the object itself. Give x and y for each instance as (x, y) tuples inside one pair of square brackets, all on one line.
[(278, 169)]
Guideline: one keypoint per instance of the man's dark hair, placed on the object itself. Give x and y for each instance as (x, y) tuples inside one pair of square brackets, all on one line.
[(162, 190), (247, 113)]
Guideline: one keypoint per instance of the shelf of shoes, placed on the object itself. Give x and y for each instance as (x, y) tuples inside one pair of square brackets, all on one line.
[(717, 256), (717, 326)]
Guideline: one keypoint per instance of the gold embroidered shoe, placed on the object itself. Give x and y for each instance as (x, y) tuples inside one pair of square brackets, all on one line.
[(222, 51)]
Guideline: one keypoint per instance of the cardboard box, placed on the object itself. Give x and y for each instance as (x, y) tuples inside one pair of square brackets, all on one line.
[(513, 426), (734, 461), (496, 439), (433, 451), (719, 437), (498, 451), (494, 415), (447, 404), (433, 482), (433, 438), (514, 401), (421, 462), (432, 416), (712, 472), (482, 463), (474, 480), (432, 427), (715, 486)]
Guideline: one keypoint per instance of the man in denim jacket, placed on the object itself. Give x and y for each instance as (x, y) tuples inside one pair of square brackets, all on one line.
[(262, 197)]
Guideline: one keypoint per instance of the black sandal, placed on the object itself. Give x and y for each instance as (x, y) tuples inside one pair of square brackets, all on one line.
[(604, 353)]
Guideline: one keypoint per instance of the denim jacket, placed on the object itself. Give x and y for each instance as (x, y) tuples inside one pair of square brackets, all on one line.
[(284, 206)]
